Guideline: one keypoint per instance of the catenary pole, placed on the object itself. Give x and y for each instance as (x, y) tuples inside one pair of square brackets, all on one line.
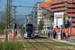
[(7, 23)]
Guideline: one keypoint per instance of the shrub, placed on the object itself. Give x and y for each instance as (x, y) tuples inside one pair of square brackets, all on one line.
[(11, 46)]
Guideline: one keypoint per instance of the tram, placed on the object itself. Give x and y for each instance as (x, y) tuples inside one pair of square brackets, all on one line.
[(28, 30)]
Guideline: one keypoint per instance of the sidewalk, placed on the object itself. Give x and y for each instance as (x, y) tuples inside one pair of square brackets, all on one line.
[(63, 40)]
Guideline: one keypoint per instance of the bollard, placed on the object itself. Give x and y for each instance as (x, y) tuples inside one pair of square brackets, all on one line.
[(43, 34), (67, 38)]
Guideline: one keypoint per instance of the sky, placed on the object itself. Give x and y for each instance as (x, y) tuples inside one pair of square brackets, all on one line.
[(20, 10)]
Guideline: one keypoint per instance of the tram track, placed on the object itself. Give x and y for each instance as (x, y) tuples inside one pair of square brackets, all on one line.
[(44, 45), (54, 43), (32, 45)]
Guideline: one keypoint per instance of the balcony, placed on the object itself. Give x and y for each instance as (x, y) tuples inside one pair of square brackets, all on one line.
[(44, 11), (73, 19), (35, 11)]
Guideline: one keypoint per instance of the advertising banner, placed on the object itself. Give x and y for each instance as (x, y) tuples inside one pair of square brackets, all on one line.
[(58, 19)]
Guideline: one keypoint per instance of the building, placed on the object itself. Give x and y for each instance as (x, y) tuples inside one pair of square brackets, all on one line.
[(48, 16), (36, 14), (66, 6), (40, 12)]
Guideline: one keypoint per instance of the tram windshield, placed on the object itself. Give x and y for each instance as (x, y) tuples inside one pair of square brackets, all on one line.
[(29, 28)]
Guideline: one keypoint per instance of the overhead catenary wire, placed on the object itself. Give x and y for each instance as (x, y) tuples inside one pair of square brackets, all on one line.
[(26, 6), (23, 2), (32, 4)]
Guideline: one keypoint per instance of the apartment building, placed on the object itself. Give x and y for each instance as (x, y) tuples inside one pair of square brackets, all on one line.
[(37, 13)]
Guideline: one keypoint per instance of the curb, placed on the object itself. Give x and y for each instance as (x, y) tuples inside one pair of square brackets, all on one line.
[(64, 41)]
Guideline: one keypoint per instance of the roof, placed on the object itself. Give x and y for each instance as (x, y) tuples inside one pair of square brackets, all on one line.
[(47, 0), (45, 5)]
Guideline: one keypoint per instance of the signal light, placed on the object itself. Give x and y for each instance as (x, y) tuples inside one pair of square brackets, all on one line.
[(67, 25)]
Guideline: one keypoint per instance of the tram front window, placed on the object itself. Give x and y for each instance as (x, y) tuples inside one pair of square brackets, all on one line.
[(29, 29)]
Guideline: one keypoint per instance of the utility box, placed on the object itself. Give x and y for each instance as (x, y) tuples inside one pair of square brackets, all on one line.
[(59, 35)]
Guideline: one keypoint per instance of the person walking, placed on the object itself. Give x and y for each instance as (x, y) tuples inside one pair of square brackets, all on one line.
[(38, 31), (54, 34), (61, 35), (49, 34), (64, 35), (43, 33)]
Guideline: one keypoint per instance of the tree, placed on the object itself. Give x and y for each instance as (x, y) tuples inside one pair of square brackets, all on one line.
[(9, 11), (2, 26), (41, 24)]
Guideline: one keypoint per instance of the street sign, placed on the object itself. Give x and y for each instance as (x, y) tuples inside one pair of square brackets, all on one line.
[(62, 27), (67, 18), (70, 24)]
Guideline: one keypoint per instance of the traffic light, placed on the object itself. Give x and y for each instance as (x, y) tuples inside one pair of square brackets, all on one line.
[(48, 27), (61, 25), (67, 24)]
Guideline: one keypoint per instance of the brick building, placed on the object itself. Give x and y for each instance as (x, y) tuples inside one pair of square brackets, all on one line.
[(66, 6)]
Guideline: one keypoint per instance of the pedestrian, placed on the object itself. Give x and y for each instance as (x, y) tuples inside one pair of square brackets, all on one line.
[(43, 33), (61, 35), (54, 34), (38, 31), (49, 34), (64, 35), (16, 32)]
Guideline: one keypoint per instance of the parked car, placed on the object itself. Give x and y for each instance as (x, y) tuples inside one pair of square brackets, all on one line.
[(36, 31)]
